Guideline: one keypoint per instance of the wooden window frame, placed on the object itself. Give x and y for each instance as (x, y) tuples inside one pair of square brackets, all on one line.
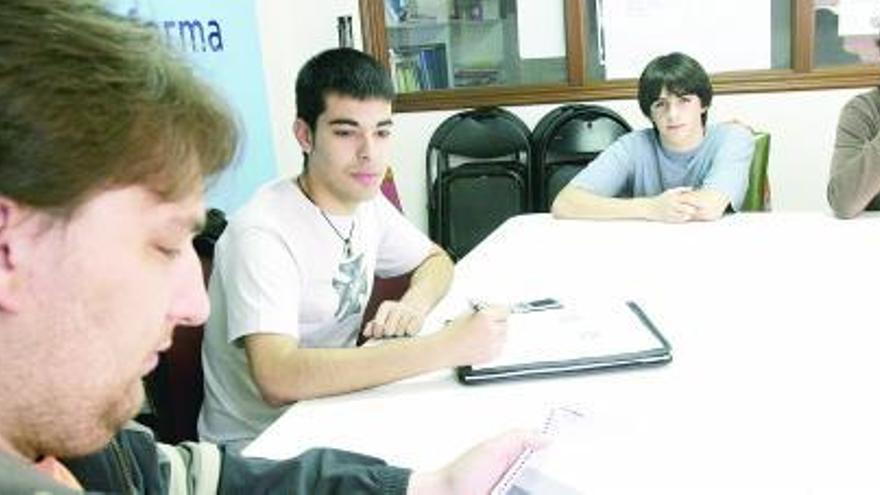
[(801, 76)]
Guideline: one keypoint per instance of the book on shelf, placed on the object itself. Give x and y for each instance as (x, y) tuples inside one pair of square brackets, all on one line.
[(422, 67)]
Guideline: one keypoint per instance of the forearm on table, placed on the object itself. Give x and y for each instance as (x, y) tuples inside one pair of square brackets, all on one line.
[(285, 373), (576, 203)]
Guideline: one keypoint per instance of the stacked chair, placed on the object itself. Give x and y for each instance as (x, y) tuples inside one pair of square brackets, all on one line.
[(478, 175), (565, 141)]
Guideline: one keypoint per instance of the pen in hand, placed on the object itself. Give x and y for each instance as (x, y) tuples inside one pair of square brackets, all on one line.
[(478, 335), (477, 306), (494, 312)]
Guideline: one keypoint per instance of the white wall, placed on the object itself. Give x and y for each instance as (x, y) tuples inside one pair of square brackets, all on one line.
[(291, 32), (801, 124)]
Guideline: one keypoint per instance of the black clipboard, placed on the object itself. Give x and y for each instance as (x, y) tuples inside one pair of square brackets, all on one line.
[(661, 354)]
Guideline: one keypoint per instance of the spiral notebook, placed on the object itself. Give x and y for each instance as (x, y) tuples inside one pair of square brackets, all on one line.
[(557, 467), (575, 338)]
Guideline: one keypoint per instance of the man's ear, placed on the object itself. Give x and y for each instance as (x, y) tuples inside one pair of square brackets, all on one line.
[(13, 237), (303, 134)]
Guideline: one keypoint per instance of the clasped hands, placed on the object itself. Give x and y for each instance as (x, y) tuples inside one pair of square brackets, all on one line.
[(683, 204)]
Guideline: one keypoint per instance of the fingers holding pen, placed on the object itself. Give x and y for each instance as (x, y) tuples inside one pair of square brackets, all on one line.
[(479, 336)]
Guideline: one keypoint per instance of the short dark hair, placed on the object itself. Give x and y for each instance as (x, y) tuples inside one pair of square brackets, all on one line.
[(91, 100), (680, 75), (344, 71)]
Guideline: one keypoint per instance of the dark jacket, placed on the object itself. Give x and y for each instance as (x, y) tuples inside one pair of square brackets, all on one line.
[(134, 463)]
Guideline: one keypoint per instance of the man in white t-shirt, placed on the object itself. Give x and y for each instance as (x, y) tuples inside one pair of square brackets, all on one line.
[(293, 271)]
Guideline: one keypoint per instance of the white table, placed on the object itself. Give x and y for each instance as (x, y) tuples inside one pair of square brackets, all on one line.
[(774, 320)]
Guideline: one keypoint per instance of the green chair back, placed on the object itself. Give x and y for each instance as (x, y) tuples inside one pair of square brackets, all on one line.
[(758, 193)]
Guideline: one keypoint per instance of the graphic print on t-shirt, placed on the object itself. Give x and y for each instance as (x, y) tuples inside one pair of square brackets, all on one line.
[(350, 283)]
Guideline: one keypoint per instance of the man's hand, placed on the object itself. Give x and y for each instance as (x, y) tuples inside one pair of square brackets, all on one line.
[(709, 205), (479, 469), (673, 205), (395, 319), (476, 338)]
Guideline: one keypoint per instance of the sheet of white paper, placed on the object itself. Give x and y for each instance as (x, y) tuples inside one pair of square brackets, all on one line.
[(721, 35), (578, 330), (541, 28)]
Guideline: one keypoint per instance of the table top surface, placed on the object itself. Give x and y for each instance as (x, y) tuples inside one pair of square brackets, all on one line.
[(773, 385)]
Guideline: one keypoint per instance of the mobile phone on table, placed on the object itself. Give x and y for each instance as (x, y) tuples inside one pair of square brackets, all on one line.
[(536, 305)]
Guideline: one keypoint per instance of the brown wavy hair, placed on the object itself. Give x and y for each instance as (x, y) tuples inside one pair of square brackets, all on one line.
[(91, 100)]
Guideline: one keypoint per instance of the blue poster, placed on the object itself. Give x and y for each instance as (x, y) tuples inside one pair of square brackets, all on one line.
[(222, 40)]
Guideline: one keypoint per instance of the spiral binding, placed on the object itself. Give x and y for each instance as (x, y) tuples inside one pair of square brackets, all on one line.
[(549, 427)]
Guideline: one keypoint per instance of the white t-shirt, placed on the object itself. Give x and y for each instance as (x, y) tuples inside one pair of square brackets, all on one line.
[(280, 268)]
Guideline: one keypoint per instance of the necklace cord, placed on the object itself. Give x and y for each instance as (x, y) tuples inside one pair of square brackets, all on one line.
[(345, 240)]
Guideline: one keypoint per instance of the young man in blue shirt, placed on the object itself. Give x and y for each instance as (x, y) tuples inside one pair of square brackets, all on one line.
[(680, 170)]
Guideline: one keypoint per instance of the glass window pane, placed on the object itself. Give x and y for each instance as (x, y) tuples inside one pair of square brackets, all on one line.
[(845, 33), (723, 35), (440, 44)]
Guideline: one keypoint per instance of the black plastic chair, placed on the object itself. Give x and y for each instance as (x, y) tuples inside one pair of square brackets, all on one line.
[(477, 172), (566, 140)]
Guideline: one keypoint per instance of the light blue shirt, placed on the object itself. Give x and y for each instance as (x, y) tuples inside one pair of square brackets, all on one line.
[(637, 165)]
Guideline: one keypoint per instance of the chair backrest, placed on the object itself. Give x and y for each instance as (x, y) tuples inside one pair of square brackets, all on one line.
[(175, 387), (477, 173), (566, 140), (758, 194)]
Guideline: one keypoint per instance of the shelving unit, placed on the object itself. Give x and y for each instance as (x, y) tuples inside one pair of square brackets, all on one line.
[(579, 76), (458, 44)]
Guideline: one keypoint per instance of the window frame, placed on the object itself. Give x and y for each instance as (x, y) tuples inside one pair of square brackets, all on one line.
[(800, 77)]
